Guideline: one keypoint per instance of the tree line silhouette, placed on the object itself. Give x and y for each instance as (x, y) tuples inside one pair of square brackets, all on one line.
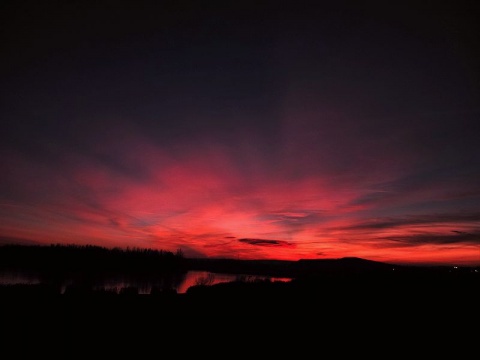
[(71, 258), (83, 268)]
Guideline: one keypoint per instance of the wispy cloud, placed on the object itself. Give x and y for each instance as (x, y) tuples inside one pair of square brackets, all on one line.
[(402, 221), (265, 242), (438, 239)]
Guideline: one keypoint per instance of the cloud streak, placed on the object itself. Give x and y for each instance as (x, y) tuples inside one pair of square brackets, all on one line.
[(442, 239), (292, 140), (265, 242), (414, 220)]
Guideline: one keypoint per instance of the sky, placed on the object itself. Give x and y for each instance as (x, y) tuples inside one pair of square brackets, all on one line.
[(245, 130)]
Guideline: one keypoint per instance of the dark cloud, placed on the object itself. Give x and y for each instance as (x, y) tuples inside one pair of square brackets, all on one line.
[(297, 219), (178, 126), (435, 239), (265, 242), (387, 223), (114, 222)]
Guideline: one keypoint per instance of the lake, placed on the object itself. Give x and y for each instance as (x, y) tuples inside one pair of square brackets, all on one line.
[(144, 286)]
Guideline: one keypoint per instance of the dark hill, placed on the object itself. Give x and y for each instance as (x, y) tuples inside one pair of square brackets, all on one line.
[(293, 269)]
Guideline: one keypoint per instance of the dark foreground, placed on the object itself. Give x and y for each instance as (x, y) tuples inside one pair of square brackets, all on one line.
[(425, 315), (345, 298), (389, 295)]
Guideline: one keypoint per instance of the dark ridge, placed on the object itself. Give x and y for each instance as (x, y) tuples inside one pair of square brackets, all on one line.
[(276, 268), (340, 292), (84, 267), (73, 258), (308, 267), (343, 264), (87, 266), (96, 260)]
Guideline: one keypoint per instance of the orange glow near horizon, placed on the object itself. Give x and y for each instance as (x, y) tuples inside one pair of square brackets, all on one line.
[(202, 203), (247, 131)]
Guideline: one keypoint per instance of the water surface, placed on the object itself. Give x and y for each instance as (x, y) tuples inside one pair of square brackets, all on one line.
[(179, 283)]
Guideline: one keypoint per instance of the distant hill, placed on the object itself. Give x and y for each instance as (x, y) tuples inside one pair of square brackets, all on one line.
[(95, 259), (283, 268), (309, 268), (345, 283)]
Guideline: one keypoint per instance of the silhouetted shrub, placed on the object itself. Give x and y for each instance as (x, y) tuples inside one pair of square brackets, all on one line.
[(129, 290)]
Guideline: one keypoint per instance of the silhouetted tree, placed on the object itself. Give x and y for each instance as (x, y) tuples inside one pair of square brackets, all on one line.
[(179, 253)]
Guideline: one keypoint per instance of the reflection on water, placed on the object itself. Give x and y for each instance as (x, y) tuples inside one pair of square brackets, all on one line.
[(209, 278), (144, 286), (18, 278)]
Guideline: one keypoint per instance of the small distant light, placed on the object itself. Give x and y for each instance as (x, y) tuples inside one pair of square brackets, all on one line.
[(393, 269), (455, 267)]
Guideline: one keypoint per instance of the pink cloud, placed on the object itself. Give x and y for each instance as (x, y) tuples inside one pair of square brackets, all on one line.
[(199, 195)]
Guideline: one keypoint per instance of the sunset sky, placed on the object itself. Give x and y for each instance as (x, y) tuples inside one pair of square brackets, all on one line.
[(243, 130)]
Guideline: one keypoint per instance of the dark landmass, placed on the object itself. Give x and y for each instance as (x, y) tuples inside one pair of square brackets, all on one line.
[(62, 261), (337, 286), (307, 268)]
